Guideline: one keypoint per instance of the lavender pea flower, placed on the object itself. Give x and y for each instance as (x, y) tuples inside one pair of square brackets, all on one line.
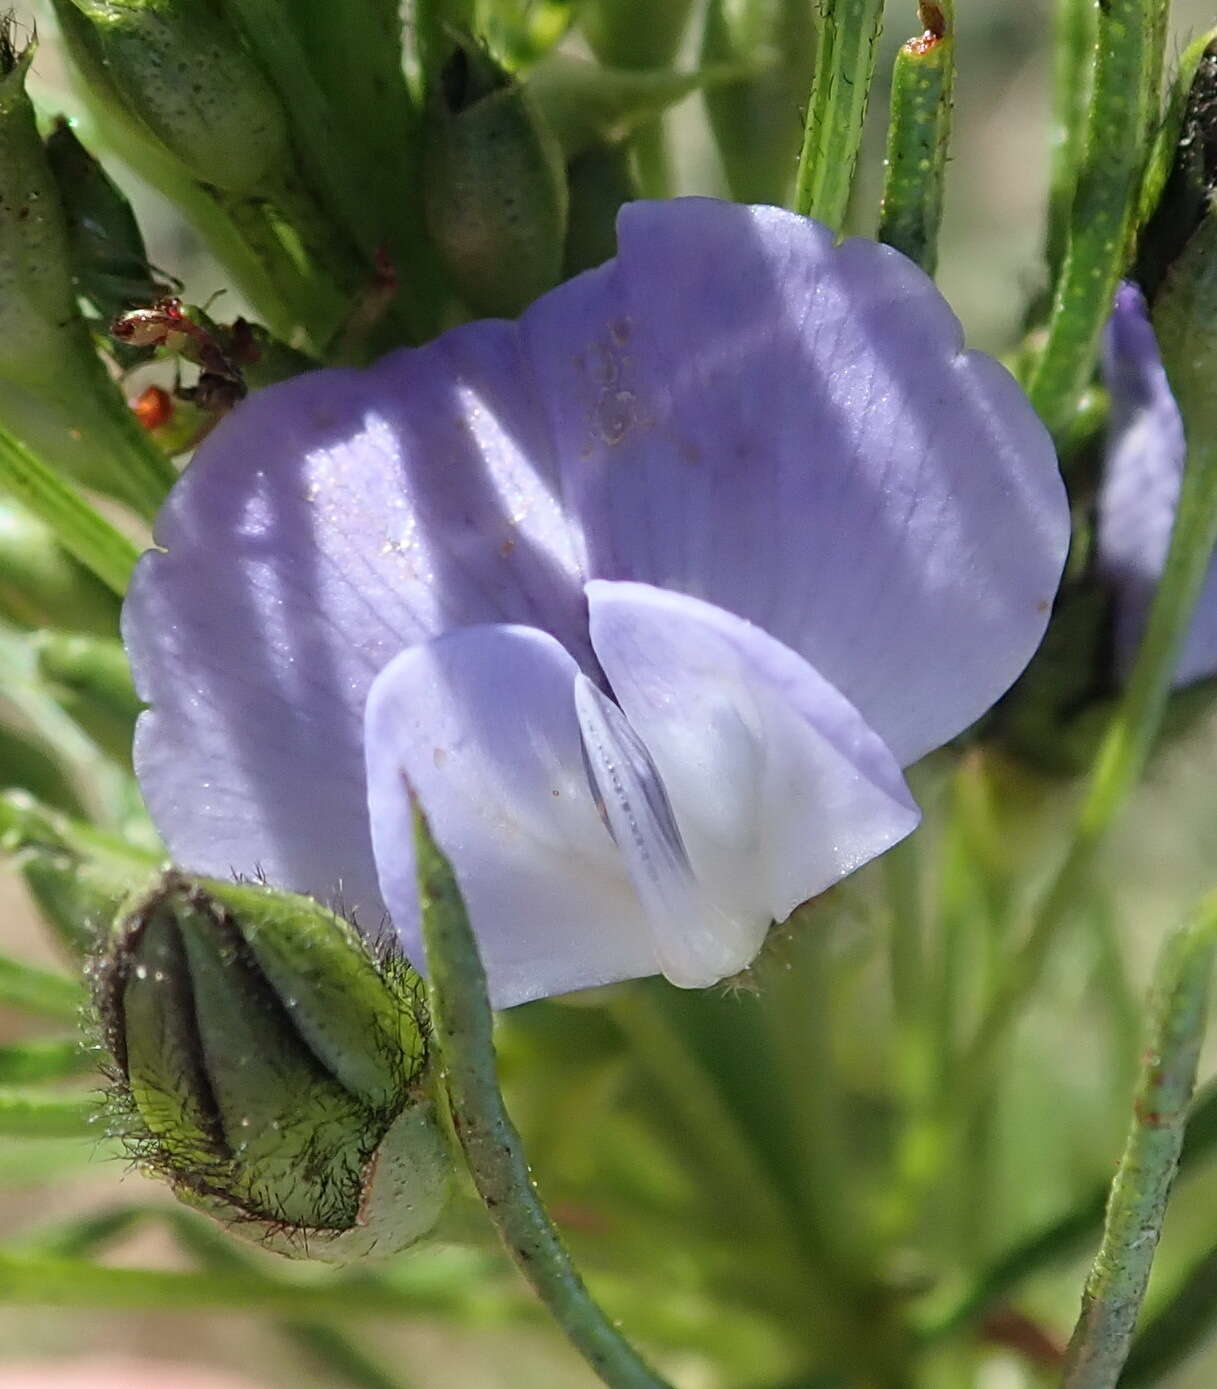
[(1139, 494), (650, 595)]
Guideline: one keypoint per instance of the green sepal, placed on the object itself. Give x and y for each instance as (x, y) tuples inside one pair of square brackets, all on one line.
[(494, 185)]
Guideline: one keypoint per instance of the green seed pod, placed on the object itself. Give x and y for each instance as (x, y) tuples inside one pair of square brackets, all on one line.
[(109, 260), (494, 186), (91, 680), (184, 72), (272, 1070), (41, 585)]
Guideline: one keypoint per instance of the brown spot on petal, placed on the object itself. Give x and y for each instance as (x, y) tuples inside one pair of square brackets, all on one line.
[(439, 756)]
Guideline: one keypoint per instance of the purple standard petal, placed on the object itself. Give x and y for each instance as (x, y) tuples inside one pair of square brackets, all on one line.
[(789, 429), (325, 525), (1142, 476), (481, 723)]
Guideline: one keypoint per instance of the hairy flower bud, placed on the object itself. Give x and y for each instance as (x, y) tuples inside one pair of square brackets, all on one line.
[(494, 186), (184, 72), (275, 1074)]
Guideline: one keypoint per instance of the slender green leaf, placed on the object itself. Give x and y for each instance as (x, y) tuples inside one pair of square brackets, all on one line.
[(840, 89), (82, 531)]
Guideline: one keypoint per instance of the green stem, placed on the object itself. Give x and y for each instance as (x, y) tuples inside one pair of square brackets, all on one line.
[(39, 991), (1072, 77), (35, 1115), (1123, 102), (840, 88), (464, 1033), (1120, 1274), (918, 137), (82, 531)]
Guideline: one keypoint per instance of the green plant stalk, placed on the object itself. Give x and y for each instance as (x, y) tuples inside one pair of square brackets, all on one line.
[(82, 531), (464, 1033), (50, 1280), (39, 991), (836, 109), (52, 1059), (34, 1114), (1072, 77), (918, 138), (1189, 353), (1123, 102), (1119, 1276)]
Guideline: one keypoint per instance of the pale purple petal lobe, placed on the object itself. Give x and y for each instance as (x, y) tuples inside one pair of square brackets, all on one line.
[(790, 430), (1142, 475), (778, 786), (481, 724)]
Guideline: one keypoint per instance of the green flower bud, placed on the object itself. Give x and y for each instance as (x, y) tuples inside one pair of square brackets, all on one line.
[(183, 71), (109, 260), (274, 1072), (494, 186), (78, 875), (91, 680), (55, 394), (41, 585)]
